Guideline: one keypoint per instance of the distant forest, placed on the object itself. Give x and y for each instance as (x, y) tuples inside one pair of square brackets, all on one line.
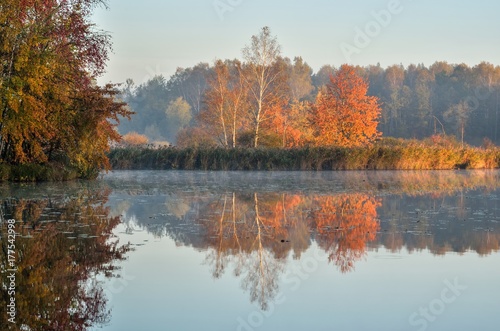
[(195, 105), (416, 101)]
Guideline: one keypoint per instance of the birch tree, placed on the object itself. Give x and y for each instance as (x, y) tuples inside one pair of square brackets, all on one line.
[(265, 78)]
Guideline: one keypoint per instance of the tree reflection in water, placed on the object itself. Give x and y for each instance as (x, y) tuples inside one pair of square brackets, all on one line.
[(258, 232), (62, 245), (252, 224)]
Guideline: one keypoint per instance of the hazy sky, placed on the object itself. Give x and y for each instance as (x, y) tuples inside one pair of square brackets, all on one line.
[(156, 36)]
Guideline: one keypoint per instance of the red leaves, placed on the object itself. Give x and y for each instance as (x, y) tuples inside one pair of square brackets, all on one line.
[(344, 115)]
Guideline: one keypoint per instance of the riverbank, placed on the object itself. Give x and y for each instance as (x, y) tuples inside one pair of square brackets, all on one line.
[(410, 156), (48, 172)]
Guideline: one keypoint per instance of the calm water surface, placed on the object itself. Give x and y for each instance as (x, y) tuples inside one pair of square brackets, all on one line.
[(152, 250)]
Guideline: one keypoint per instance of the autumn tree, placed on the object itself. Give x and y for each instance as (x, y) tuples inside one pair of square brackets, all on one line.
[(215, 114), (224, 99), (289, 125), (50, 107), (265, 77), (237, 100), (344, 115), (135, 139), (195, 137)]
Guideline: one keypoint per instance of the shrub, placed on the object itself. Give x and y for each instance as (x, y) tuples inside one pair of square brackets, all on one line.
[(135, 139)]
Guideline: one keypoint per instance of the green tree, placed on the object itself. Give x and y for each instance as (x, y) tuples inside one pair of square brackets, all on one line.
[(178, 115), (459, 114), (300, 80), (190, 84), (322, 77), (149, 101)]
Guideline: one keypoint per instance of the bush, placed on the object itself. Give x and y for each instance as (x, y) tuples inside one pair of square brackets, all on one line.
[(135, 139)]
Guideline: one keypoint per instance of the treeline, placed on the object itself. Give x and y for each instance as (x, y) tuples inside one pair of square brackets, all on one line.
[(260, 220), (275, 101)]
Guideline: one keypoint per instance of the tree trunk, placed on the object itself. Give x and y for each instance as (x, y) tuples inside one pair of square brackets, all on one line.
[(256, 139), (463, 125)]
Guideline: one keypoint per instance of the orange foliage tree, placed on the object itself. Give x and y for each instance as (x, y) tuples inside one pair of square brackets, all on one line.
[(343, 114), (135, 139), (290, 123)]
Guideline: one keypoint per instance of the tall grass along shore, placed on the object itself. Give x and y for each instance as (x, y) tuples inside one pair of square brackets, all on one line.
[(389, 155)]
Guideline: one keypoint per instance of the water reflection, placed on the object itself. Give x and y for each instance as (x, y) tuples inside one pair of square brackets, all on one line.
[(249, 224), (64, 241)]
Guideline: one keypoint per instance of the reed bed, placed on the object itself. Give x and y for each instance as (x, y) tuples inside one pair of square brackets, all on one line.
[(380, 156)]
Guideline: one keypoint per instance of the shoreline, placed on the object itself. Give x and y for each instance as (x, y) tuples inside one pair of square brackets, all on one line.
[(411, 157)]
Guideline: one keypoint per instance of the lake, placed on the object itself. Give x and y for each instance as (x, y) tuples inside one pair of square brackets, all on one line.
[(156, 250)]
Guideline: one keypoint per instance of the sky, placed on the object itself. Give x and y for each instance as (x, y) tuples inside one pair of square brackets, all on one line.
[(153, 37)]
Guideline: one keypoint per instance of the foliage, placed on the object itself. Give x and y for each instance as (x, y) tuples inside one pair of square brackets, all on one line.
[(344, 115), (224, 101), (178, 115), (135, 139), (51, 111), (265, 78), (150, 102), (195, 137), (299, 79), (419, 101), (275, 97)]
